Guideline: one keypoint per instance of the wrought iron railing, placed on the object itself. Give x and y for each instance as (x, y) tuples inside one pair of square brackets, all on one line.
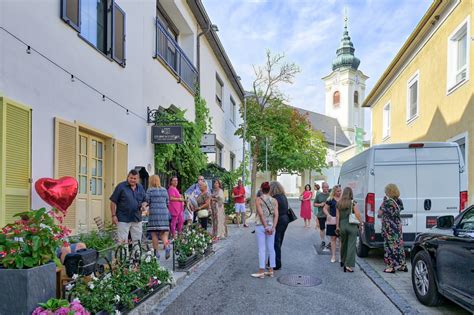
[(169, 51)]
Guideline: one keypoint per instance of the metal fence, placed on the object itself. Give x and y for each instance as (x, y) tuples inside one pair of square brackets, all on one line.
[(169, 51)]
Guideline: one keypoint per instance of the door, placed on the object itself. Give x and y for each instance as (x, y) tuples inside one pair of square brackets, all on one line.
[(397, 166), (90, 198), (437, 185)]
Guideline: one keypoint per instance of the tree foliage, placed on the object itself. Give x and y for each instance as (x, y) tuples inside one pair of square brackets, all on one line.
[(186, 159)]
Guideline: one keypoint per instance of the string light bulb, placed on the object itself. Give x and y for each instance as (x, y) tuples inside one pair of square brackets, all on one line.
[(28, 50), (72, 78), (128, 113), (103, 98)]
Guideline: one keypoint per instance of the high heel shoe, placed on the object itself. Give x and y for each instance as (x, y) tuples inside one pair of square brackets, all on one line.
[(347, 269)]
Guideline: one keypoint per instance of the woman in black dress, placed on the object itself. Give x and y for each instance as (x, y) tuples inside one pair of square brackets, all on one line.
[(277, 192), (330, 212)]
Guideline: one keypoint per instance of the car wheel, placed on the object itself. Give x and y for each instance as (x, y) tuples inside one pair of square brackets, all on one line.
[(361, 249), (423, 280)]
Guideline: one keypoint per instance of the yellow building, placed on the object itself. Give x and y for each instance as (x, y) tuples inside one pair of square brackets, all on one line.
[(426, 93)]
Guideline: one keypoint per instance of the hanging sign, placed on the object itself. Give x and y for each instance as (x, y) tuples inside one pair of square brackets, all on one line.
[(167, 134), (208, 139)]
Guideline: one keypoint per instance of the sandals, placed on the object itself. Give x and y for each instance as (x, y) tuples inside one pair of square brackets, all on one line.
[(389, 270), (403, 268), (269, 273), (258, 275), (347, 269)]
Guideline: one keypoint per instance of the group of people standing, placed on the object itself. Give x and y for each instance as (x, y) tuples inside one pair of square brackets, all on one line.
[(167, 209), (332, 209)]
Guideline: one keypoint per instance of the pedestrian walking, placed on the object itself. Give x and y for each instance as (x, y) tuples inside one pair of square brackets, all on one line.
[(203, 205), (125, 206), (347, 230), (266, 222), (238, 193), (277, 192), (331, 211), (305, 212), (394, 252), (176, 207), (218, 214), (159, 215), (319, 202)]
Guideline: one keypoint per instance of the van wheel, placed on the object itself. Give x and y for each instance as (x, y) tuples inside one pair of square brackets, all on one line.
[(423, 280), (361, 249)]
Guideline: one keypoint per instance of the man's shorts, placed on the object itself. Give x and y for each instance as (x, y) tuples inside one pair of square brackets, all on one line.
[(240, 207), (322, 223)]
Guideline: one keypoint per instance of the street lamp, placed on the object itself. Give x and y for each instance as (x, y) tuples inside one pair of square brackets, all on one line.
[(210, 27)]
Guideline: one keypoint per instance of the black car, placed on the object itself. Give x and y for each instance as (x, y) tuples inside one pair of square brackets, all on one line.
[(443, 261)]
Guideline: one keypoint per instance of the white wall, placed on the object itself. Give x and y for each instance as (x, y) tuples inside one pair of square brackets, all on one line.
[(31, 80)]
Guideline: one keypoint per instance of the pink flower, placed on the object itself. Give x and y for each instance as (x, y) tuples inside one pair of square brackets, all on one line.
[(41, 311), (136, 299), (3, 254), (62, 311), (65, 244)]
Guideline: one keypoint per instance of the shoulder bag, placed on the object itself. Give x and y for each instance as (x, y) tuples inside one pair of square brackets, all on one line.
[(291, 215), (352, 217)]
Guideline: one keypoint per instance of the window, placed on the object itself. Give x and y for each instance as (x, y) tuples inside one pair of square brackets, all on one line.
[(356, 99), (461, 140), (336, 99), (458, 56), (233, 109), (232, 161), (99, 22), (219, 149), (169, 47), (386, 121), (412, 97), (219, 89)]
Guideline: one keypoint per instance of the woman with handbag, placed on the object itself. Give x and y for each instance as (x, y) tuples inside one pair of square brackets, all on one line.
[(394, 255), (277, 192), (218, 214), (330, 212), (203, 205), (305, 213), (266, 222), (348, 221)]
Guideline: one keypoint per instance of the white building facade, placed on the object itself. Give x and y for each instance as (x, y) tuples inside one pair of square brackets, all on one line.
[(76, 78)]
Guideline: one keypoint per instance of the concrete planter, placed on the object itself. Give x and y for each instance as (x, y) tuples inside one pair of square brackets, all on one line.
[(23, 289)]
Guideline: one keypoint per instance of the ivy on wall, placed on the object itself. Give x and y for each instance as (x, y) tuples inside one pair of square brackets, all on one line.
[(186, 159)]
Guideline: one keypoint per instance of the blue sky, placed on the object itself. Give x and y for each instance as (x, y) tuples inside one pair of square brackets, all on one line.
[(308, 32)]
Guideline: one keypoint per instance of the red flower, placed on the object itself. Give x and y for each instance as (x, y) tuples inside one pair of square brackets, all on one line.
[(136, 299), (65, 244)]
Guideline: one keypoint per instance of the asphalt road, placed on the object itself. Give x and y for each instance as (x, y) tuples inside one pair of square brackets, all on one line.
[(227, 288)]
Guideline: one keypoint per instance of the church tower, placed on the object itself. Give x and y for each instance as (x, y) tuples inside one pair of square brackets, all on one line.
[(345, 88)]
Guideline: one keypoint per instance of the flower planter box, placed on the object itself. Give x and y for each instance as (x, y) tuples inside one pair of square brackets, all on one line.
[(22, 289), (191, 261)]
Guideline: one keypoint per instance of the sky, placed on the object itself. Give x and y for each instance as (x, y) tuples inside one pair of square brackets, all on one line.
[(308, 32)]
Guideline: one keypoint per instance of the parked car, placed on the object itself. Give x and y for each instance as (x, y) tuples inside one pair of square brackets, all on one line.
[(431, 178), (443, 261)]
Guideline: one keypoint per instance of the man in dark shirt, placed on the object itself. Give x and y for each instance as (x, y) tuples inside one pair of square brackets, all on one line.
[(126, 202)]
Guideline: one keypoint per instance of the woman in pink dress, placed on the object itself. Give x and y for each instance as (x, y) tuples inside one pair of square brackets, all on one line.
[(305, 213), (176, 207)]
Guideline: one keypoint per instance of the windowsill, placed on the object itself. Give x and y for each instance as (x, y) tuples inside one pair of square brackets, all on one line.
[(220, 106), (412, 119), (100, 51), (456, 86), (385, 138)]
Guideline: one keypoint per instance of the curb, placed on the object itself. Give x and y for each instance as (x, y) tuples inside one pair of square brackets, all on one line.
[(386, 288)]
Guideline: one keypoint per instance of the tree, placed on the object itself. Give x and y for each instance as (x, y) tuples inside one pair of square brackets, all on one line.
[(294, 146)]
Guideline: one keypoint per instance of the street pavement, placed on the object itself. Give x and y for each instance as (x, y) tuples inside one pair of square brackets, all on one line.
[(226, 287)]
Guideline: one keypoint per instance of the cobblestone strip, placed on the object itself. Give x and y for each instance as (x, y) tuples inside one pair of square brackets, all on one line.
[(386, 288)]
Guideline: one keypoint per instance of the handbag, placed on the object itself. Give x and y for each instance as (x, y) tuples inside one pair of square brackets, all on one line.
[(352, 217), (203, 214), (291, 215), (82, 262)]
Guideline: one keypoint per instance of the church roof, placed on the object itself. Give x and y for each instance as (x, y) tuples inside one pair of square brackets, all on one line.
[(325, 125), (345, 53)]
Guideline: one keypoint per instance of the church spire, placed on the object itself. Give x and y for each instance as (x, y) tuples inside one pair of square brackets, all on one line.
[(345, 53)]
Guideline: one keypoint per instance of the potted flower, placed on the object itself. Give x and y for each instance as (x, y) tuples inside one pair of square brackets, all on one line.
[(27, 259), (60, 307), (191, 245)]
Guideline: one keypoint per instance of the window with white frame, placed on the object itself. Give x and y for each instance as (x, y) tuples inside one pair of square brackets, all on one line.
[(233, 109), (413, 94), (458, 55), (219, 90), (386, 121)]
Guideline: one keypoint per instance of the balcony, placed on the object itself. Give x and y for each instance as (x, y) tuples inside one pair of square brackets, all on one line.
[(168, 50)]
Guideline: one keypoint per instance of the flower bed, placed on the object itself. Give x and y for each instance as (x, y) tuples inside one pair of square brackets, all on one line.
[(121, 289), (191, 246)]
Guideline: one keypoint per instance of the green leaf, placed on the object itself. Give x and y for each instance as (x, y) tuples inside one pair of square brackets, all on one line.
[(19, 262), (29, 262), (36, 243)]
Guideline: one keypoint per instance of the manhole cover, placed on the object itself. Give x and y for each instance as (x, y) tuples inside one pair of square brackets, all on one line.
[(299, 280)]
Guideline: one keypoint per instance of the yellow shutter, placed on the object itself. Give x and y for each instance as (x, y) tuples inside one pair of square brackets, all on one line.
[(15, 159), (121, 161), (65, 159)]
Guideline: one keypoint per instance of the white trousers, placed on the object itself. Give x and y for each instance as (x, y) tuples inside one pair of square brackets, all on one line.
[(266, 247), (135, 229)]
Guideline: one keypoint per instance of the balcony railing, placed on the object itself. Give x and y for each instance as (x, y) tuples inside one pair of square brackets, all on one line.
[(169, 51)]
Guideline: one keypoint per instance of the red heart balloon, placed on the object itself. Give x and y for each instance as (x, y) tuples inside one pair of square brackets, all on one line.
[(59, 193)]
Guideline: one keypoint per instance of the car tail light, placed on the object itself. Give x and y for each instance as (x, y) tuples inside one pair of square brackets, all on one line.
[(370, 208), (462, 200)]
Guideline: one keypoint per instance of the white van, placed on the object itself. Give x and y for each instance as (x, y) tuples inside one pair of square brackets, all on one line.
[(431, 178)]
